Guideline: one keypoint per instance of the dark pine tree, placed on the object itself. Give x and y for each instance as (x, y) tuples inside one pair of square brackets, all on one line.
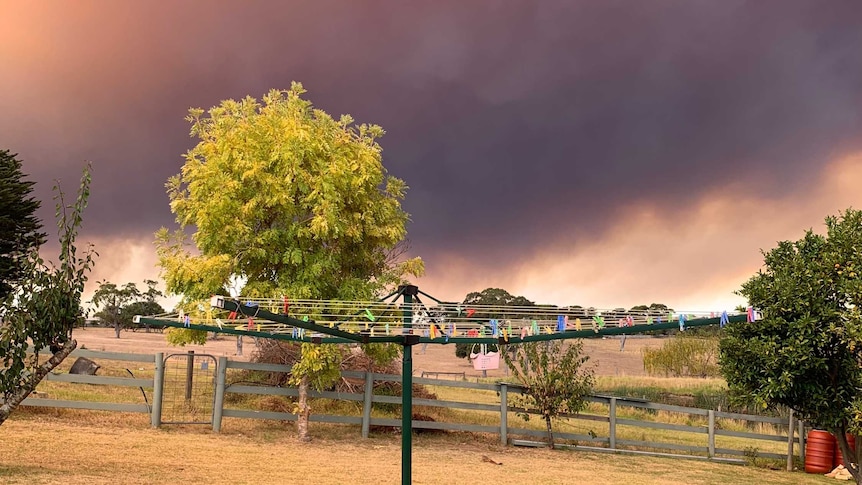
[(20, 229)]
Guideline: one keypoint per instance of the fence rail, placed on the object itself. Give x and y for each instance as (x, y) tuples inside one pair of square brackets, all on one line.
[(700, 422)]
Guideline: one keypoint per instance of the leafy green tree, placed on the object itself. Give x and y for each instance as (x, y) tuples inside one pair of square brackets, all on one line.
[(496, 297), (555, 378), (20, 230), (43, 307), (490, 297), (128, 312), (291, 201), (118, 305), (110, 300), (806, 350)]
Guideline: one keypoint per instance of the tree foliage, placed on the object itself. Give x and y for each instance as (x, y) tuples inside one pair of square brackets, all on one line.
[(489, 297), (44, 306), (806, 350), (288, 198), (291, 202), (496, 297), (683, 355), (555, 377), (20, 229), (116, 304)]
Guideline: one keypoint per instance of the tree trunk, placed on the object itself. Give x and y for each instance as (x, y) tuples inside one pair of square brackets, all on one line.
[(30, 383), (550, 432), (858, 454), (304, 411), (117, 329), (850, 457)]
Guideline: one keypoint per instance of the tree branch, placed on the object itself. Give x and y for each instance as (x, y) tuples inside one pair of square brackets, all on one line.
[(30, 383)]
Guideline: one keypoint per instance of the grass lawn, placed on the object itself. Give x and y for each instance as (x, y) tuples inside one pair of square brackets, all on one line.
[(79, 447)]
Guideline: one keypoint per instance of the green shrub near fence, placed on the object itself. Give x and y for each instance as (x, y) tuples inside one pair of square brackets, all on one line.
[(683, 356)]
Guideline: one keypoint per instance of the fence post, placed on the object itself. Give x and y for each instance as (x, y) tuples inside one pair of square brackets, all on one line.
[(711, 434), (790, 429), (190, 372), (158, 387), (218, 402), (366, 403), (612, 420), (801, 440), (504, 414)]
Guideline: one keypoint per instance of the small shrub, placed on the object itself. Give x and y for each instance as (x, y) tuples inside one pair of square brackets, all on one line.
[(684, 356)]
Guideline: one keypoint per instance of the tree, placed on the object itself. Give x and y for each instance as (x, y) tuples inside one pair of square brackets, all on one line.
[(128, 312), (20, 230), (490, 297), (119, 304), (805, 352), (496, 297), (110, 299), (555, 378), (291, 201), (43, 307)]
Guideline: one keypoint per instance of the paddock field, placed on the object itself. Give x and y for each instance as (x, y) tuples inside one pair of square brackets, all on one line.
[(77, 447)]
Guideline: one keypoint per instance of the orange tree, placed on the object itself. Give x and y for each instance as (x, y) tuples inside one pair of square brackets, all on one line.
[(805, 352)]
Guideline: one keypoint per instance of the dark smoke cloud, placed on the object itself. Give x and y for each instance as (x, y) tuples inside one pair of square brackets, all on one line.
[(517, 125)]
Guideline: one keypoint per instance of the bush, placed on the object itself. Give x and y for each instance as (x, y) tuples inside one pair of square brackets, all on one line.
[(684, 356)]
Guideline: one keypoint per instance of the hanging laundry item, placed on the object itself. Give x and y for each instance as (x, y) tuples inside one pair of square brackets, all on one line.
[(752, 315), (470, 312), (630, 321), (535, 328), (186, 321), (724, 320), (369, 315), (523, 332), (285, 306), (599, 321), (561, 323), (682, 322), (578, 324), (493, 327)]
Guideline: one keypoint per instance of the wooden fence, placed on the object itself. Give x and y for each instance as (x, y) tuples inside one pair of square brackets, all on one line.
[(609, 412)]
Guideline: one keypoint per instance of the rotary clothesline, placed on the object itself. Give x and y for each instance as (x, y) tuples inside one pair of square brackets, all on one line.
[(333, 321)]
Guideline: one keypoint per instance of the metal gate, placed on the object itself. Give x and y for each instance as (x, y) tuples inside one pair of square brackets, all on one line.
[(189, 388)]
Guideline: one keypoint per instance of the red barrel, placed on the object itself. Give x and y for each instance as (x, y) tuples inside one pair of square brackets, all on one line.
[(839, 459), (819, 451)]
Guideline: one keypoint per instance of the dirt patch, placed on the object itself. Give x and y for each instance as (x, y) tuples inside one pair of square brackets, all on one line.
[(604, 353)]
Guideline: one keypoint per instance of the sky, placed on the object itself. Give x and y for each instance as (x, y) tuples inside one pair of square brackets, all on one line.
[(599, 153)]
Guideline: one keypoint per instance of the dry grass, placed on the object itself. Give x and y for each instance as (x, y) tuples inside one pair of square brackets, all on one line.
[(41, 448)]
